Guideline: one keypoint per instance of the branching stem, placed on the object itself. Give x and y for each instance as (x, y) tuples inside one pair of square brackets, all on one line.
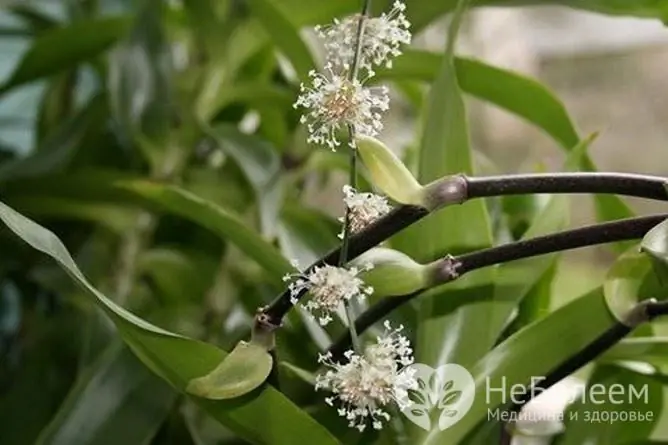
[(450, 190), (455, 266), (343, 256)]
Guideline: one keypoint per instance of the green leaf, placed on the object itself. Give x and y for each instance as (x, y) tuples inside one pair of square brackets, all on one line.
[(652, 350), (445, 149), (227, 225), (60, 147), (631, 279), (609, 379), (423, 12), (511, 91), (262, 167), (516, 278), (388, 173), (180, 276), (536, 303), (36, 19), (140, 90), (548, 342), (56, 103), (117, 400), (393, 272), (179, 359), (520, 95), (305, 234), (655, 244), (117, 218), (60, 48), (284, 34), (243, 370)]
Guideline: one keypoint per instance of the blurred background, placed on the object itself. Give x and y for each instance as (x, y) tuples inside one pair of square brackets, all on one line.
[(113, 110)]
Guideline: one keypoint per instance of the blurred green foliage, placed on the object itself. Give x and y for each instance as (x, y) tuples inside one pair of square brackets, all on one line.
[(158, 141)]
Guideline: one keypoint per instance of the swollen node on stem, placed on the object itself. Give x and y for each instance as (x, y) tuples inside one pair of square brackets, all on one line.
[(390, 175)]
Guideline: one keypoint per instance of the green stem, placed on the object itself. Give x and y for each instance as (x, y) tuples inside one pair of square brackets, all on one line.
[(343, 257)]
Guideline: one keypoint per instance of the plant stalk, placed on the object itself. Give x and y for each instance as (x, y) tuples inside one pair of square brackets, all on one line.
[(453, 267), (443, 190), (643, 312), (343, 257)]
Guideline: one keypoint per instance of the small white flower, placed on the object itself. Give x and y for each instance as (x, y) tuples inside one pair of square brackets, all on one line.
[(365, 385), (364, 208), (329, 287), (334, 102), (381, 40)]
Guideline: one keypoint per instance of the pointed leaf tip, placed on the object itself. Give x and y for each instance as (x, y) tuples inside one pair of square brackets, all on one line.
[(388, 173), (242, 371)]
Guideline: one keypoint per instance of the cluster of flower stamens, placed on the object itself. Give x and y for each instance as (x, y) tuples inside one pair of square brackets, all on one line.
[(338, 99), (329, 288), (366, 384), (336, 103), (363, 209), (383, 37)]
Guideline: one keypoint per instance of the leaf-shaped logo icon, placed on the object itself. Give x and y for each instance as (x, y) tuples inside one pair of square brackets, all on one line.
[(446, 415), (445, 393), (449, 398), (416, 397)]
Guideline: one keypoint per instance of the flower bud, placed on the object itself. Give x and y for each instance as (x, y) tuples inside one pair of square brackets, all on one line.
[(243, 370), (394, 273), (388, 173)]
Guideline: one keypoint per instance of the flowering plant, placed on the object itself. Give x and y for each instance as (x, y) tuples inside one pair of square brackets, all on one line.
[(187, 159)]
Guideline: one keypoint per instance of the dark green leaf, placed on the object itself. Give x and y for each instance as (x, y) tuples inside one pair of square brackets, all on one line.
[(140, 91), (118, 400), (216, 219), (61, 48), (284, 34), (59, 148), (652, 350), (243, 370), (261, 165), (305, 234), (178, 359), (512, 91), (179, 276), (565, 331), (631, 279), (655, 244), (597, 405)]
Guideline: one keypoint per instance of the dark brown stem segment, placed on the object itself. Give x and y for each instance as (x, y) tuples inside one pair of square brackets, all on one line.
[(642, 186), (454, 267), (650, 187), (394, 222), (643, 312)]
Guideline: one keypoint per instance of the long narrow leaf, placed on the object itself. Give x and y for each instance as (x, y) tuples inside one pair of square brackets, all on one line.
[(179, 359)]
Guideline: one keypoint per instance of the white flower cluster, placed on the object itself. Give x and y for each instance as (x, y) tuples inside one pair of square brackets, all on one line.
[(383, 37), (329, 287), (337, 99), (364, 208), (335, 103), (366, 384)]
